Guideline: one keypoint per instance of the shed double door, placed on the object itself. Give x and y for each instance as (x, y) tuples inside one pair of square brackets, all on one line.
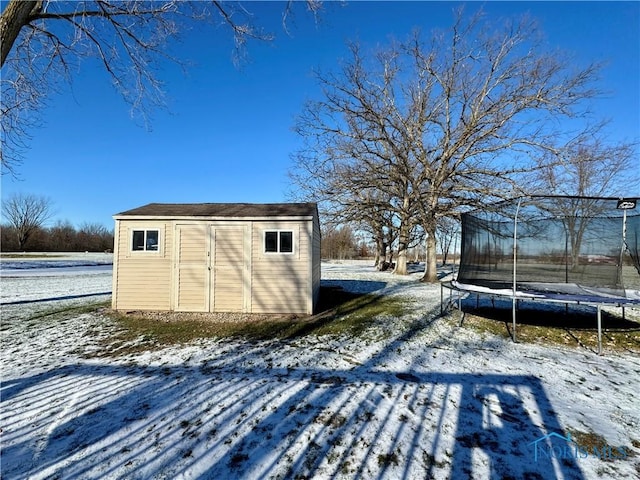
[(211, 268)]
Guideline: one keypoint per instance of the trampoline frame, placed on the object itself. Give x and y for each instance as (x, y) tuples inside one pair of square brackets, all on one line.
[(522, 296)]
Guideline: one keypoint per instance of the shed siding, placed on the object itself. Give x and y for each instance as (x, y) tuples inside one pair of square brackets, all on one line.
[(280, 281), (315, 263), (143, 278), (191, 277), (229, 268)]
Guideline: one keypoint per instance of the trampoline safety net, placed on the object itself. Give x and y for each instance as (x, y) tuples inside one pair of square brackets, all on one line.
[(561, 243)]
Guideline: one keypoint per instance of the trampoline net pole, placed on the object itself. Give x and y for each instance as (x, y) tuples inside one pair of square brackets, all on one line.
[(623, 246), (515, 256)]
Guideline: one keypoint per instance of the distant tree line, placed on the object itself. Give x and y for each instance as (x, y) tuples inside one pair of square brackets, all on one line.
[(23, 228), (62, 237)]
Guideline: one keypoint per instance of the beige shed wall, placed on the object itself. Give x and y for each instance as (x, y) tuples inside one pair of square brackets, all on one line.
[(191, 268), (280, 282), (315, 263), (142, 280), (230, 266)]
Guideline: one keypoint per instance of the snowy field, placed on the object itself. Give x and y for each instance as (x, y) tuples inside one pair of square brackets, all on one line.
[(32, 278), (416, 397)]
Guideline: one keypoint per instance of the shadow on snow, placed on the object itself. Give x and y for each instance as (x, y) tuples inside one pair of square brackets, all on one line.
[(232, 416)]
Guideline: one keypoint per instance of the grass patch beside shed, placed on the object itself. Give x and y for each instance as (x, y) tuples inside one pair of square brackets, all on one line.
[(340, 312)]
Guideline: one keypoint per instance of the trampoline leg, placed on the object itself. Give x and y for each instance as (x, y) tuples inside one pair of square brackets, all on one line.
[(513, 314), (450, 301), (599, 330), (623, 317), (441, 299)]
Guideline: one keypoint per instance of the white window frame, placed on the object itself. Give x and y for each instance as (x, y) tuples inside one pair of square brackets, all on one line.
[(157, 251), (278, 231)]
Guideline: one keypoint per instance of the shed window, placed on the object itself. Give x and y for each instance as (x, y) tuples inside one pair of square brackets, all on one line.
[(145, 240), (278, 242), (286, 242)]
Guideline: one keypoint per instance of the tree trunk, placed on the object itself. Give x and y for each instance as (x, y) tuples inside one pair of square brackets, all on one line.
[(15, 16), (403, 236), (22, 239), (431, 264), (403, 243), (381, 249)]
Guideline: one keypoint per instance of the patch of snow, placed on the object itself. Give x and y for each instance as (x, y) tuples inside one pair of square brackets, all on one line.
[(28, 261)]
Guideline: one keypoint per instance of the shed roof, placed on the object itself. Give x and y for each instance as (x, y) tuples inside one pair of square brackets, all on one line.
[(223, 210)]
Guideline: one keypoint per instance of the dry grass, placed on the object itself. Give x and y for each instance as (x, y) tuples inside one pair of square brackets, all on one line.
[(570, 327), (57, 313), (340, 313), (596, 445)]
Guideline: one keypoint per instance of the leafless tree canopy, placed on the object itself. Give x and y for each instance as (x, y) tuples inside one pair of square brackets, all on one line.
[(26, 214), (43, 42), (339, 243), (589, 166), (433, 126)]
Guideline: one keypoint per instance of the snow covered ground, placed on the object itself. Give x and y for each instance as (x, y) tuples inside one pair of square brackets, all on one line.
[(418, 397), (32, 278)]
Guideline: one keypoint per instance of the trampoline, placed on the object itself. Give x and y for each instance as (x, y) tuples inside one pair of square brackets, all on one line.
[(553, 249)]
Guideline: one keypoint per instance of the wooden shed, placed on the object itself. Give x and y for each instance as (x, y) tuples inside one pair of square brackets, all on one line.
[(217, 257)]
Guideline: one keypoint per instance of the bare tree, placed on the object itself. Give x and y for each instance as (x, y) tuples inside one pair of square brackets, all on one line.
[(339, 243), (584, 169), (27, 214), (444, 124), (94, 237), (62, 236), (589, 166), (42, 42), (352, 144), (345, 195), (448, 229)]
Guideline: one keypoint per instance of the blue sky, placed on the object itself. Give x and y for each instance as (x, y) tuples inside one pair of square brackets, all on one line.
[(227, 135)]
